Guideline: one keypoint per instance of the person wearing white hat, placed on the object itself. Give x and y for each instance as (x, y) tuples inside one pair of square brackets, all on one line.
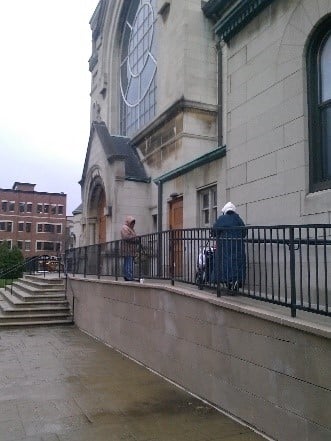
[(230, 258)]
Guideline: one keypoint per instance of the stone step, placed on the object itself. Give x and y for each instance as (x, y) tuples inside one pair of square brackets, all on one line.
[(26, 300), (41, 284), (37, 289), (34, 321), (9, 313), (7, 309), (50, 280), (34, 301), (40, 296)]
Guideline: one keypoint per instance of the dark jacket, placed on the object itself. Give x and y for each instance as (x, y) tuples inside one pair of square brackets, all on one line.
[(230, 258)]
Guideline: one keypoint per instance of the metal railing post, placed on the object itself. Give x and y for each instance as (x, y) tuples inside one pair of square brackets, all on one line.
[(117, 257), (98, 260), (139, 257), (85, 261), (292, 272)]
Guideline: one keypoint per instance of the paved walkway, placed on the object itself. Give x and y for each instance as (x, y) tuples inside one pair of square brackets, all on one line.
[(58, 384)]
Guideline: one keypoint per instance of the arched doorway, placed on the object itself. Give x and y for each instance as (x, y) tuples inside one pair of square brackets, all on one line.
[(97, 212), (101, 218)]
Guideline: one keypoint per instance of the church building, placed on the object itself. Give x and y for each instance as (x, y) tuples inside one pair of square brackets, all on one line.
[(196, 103)]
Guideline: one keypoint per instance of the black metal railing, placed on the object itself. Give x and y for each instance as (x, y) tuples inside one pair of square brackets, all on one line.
[(33, 265), (286, 265)]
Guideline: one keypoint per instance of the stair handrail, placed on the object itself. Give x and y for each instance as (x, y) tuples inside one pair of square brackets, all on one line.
[(15, 267)]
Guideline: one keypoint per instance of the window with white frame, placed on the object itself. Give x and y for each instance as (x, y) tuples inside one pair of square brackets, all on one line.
[(27, 245), (207, 206), (8, 242), (21, 226), (49, 228), (48, 246), (6, 226)]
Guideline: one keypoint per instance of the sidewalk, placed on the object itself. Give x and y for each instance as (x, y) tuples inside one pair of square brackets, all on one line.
[(58, 384)]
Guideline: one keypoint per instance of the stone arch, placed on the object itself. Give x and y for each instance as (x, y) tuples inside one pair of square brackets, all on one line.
[(304, 18), (95, 208)]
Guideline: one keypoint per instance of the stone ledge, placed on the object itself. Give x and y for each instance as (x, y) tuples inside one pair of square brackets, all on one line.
[(308, 322)]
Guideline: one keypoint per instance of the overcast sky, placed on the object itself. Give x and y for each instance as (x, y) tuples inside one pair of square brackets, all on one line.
[(45, 85)]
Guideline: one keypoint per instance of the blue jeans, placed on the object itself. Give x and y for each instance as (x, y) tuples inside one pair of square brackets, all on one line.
[(128, 267)]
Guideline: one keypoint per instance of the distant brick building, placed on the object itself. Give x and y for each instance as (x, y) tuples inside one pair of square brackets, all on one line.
[(33, 221)]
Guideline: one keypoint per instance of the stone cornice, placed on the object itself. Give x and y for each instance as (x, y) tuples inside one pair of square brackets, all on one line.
[(189, 166), (231, 18), (177, 107)]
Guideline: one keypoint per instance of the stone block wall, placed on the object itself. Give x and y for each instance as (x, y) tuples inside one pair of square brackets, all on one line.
[(268, 370)]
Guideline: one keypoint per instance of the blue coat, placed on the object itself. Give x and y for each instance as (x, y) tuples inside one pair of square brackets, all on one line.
[(230, 258)]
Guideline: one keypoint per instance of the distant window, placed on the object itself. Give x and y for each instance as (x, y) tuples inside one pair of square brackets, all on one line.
[(22, 207), (60, 209), (207, 206), (319, 106), (59, 229), (53, 209), (6, 226), (39, 208), (27, 245), (28, 227), (46, 208), (11, 206), (8, 242), (39, 228), (20, 244), (21, 226), (29, 207), (4, 205), (49, 228), (49, 246)]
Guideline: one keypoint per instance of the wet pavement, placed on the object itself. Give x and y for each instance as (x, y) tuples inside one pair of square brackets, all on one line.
[(59, 384)]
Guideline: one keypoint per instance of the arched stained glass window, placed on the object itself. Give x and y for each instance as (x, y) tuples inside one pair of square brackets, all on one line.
[(138, 67), (319, 102)]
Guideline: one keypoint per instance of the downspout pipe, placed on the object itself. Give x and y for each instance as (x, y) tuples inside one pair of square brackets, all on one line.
[(219, 94), (159, 205), (159, 226)]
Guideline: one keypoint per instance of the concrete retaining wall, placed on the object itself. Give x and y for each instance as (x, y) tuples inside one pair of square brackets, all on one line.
[(271, 371)]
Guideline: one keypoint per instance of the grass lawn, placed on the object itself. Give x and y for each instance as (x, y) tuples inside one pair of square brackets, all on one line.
[(2, 282)]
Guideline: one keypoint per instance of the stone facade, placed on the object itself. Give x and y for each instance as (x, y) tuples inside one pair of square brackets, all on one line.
[(227, 77), (262, 367), (267, 171)]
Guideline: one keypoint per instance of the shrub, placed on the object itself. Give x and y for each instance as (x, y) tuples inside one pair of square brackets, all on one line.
[(11, 261)]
